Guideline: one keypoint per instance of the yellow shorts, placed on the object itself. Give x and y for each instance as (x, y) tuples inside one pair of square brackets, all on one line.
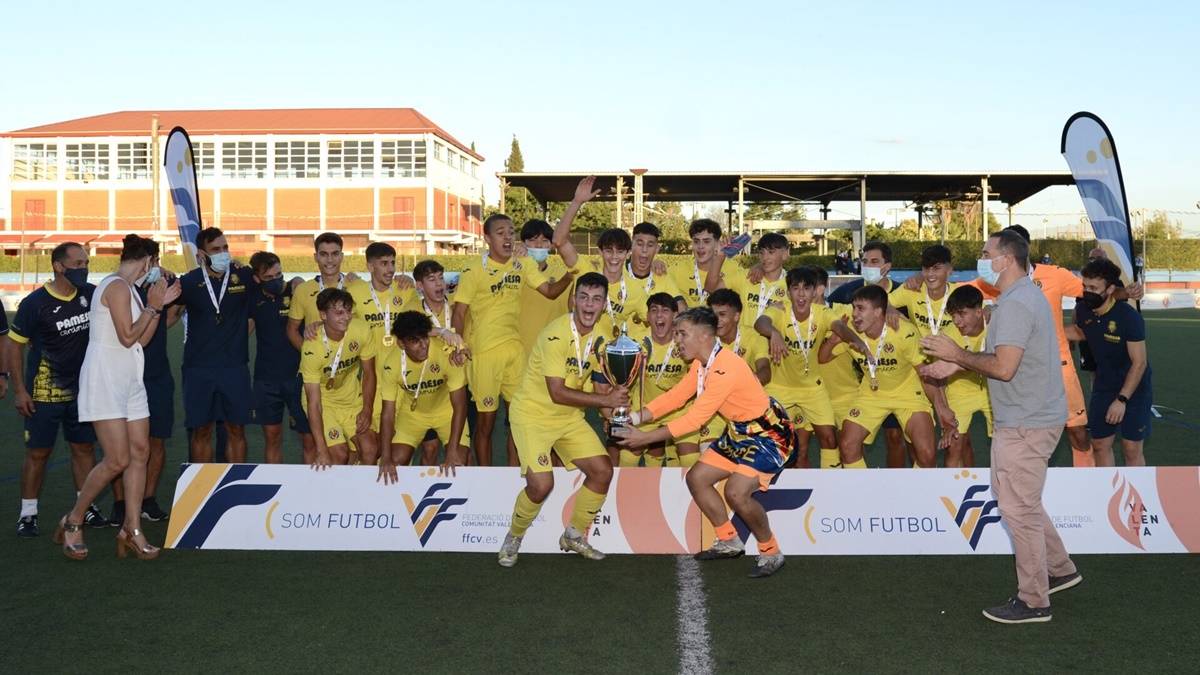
[(569, 439), (496, 373), (1076, 410), (377, 411), (807, 407), (870, 414), (412, 427), (841, 409), (965, 409), (340, 424)]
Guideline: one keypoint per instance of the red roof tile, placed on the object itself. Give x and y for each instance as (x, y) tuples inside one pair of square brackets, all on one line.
[(238, 122)]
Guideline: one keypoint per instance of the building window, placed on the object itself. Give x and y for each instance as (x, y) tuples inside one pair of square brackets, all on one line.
[(86, 161), (35, 161), (451, 158), (462, 163), (133, 161), (297, 159), (437, 150), (474, 168), (351, 159), (244, 159), (402, 159), (205, 156)]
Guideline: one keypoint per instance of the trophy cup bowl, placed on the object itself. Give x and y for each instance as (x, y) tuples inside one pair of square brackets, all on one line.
[(621, 363)]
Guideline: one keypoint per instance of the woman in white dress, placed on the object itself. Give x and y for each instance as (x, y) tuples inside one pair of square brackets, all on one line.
[(112, 396)]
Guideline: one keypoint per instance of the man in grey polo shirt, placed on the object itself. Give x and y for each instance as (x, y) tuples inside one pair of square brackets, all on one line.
[(1025, 382)]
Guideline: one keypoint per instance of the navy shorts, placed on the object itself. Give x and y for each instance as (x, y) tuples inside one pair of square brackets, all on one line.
[(211, 394), (890, 422), (1086, 360), (41, 430), (160, 393), (1135, 426), (270, 398)]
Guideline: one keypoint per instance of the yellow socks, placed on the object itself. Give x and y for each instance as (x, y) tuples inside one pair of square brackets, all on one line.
[(830, 458), (587, 505), (629, 459), (860, 464), (689, 460), (523, 514)]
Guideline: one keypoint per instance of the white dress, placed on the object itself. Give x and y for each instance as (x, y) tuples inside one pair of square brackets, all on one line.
[(110, 384)]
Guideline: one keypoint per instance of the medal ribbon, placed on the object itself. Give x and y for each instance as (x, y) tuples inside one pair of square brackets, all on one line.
[(872, 364), (702, 372), (216, 301), (935, 326), (337, 358), (416, 389), (387, 314), (341, 281), (586, 350), (805, 340)]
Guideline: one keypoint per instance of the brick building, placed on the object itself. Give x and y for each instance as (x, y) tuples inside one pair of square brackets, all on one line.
[(271, 179)]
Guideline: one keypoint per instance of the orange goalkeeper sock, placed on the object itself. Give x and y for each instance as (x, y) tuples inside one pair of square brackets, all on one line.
[(769, 548), (726, 531)]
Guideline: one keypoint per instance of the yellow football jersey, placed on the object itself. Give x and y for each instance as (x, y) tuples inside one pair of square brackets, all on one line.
[(894, 371), (492, 291), (316, 363), (557, 353), (925, 314), (429, 383), (690, 279), (757, 298), (304, 298)]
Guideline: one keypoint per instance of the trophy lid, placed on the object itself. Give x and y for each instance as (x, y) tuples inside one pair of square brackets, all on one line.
[(624, 345)]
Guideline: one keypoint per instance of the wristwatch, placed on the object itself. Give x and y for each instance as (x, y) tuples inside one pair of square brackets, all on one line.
[(6, 375), (1122, 398)]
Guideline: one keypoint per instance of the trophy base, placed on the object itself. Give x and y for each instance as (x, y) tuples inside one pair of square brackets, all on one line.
[(615, 424)]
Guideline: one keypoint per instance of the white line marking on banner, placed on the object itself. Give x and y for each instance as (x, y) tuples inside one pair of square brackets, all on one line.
[(692, 607)]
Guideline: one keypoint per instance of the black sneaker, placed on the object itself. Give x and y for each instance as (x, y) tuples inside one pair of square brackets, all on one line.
[(1016, 611), (94, 518), (152, 512), (27, 527), (118, 513), (1064, 582)]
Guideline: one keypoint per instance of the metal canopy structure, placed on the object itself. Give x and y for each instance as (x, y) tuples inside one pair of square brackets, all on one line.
[(819, 188)]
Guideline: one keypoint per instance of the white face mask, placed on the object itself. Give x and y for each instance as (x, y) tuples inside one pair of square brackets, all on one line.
[(219, 262), (872, 275), (539, 255)]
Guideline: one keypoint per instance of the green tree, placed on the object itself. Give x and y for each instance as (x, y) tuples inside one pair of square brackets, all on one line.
[(1159, 226), (517, 202)]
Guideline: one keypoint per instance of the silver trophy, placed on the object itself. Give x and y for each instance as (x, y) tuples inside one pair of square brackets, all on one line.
[(621, 362)]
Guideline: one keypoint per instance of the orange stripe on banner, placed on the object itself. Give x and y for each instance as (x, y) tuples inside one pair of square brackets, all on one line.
[(640, 505), (1179, 494), (188, 504)]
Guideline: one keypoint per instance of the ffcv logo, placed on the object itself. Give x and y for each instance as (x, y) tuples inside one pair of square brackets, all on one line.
[(431, 510), (973, 512)]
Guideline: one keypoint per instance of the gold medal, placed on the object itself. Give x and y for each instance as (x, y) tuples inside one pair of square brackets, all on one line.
[(616, 331), (217, 319), (874, 384), (413, 407), (329, 384), (389, 340)]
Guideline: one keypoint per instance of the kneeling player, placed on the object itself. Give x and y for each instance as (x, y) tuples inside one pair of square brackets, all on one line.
[(966, 392), (434, 393), (892, 385), (547, 415), (757, 441), (338, 368)]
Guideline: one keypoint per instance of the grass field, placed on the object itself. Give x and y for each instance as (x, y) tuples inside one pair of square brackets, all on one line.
[(205, 611)]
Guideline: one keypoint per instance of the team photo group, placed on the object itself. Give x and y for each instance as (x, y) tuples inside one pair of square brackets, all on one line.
[(742, 370)]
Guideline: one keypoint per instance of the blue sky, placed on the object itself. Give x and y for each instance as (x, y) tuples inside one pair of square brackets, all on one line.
[(701, 86)]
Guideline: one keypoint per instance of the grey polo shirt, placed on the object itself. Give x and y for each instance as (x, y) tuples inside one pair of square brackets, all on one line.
[(1035, 396)]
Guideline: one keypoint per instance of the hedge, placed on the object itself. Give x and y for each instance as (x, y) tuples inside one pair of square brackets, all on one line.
[(1170, 254)]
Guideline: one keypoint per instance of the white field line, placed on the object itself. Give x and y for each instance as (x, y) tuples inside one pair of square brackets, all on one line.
[(691, 606)]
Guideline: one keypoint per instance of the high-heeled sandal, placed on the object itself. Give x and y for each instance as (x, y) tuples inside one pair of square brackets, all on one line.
[(125, 545), (73, 551)]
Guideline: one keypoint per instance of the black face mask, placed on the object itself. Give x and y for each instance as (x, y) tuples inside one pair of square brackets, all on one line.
[(1093, 300)]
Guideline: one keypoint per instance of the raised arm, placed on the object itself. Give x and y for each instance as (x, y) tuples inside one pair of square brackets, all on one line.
[(562, 231)]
